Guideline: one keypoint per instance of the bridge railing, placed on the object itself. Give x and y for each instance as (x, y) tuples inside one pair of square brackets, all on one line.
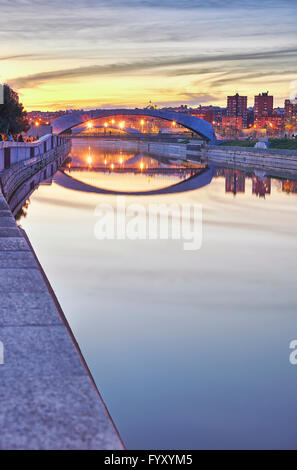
[(12, 153)]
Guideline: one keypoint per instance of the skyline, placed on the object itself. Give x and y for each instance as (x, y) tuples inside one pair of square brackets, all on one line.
[(83, 54)]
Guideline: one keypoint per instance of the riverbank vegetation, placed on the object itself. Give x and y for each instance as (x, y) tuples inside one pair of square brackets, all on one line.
[(285, 144)]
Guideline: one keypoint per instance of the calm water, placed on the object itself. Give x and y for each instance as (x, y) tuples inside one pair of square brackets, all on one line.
[(188, 349)]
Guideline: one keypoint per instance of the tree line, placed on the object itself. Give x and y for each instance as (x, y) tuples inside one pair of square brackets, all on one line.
[(13, 117)]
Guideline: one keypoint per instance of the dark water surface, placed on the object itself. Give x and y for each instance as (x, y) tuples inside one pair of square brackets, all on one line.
[(189, 349)]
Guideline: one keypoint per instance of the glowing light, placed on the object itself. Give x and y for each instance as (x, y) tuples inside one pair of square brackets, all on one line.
[(112, 121), (121, 161), (105, 162), (142, 122), (90, 125), (105, 124), (141, 165), (36, 123), (89, 160), (173, 123), (112, 166), (122, 124)]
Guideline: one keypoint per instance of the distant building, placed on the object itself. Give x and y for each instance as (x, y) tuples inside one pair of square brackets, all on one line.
[(274, 124), (232, 122), (263, 105), (290, 110), (207, 114), (237, 107)]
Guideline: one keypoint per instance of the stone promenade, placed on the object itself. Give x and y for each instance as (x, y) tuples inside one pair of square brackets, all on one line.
[(47, 397)]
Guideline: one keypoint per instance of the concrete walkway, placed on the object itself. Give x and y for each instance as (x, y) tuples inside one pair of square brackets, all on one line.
[(47, 397)]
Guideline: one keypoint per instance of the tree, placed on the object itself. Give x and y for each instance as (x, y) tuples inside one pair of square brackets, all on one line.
[(13, 117)]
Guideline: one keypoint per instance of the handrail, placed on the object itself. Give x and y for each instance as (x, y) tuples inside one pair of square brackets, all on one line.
[(7, 143)]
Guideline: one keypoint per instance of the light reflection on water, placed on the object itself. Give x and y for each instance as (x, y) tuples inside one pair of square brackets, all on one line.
[(189, 349)]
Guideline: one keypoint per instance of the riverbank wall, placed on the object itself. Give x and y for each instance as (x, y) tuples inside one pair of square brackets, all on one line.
[(257, 158)]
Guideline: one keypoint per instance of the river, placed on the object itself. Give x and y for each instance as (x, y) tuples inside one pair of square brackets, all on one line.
[(189, 349)]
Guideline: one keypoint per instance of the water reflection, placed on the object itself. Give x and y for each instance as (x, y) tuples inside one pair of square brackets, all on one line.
[(189, 349), (235, 182)]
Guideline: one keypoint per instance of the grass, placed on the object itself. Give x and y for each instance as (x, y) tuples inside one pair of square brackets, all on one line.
[(289, 144), (286, 144), (239, 143)]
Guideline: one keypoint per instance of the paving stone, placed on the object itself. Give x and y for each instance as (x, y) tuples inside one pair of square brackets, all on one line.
[(38, 351), (17, 259), (7, 222), (28, 309), (11, 244), (54, 413), (47, 399), (3, 204), (21, 280), (8, 232), (6, 213)]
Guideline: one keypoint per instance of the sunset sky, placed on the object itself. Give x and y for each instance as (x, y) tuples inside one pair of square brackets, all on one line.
[(109, 53)]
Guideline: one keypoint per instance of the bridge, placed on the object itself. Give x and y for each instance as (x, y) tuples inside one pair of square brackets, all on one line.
[(201, 178), (194, 124)]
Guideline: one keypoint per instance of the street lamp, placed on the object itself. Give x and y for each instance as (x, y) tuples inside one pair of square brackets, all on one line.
[(142, 124)]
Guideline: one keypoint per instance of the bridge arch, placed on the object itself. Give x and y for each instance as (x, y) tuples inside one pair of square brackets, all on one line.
[(201, 179), (194, 124)]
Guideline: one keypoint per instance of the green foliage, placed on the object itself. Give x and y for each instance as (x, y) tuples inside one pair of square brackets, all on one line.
[(13, 117), (289, 144), (239, 143)]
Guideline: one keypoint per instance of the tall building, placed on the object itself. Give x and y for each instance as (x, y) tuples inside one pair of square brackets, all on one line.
[(237, 107), (263, 105), (290, 110)]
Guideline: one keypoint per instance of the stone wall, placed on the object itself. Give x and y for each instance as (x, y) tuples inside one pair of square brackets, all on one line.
[(25, 172), (15, 152), (270, 158)]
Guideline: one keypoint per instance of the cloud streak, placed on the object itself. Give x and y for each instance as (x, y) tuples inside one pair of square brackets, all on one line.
[(153, 64)]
